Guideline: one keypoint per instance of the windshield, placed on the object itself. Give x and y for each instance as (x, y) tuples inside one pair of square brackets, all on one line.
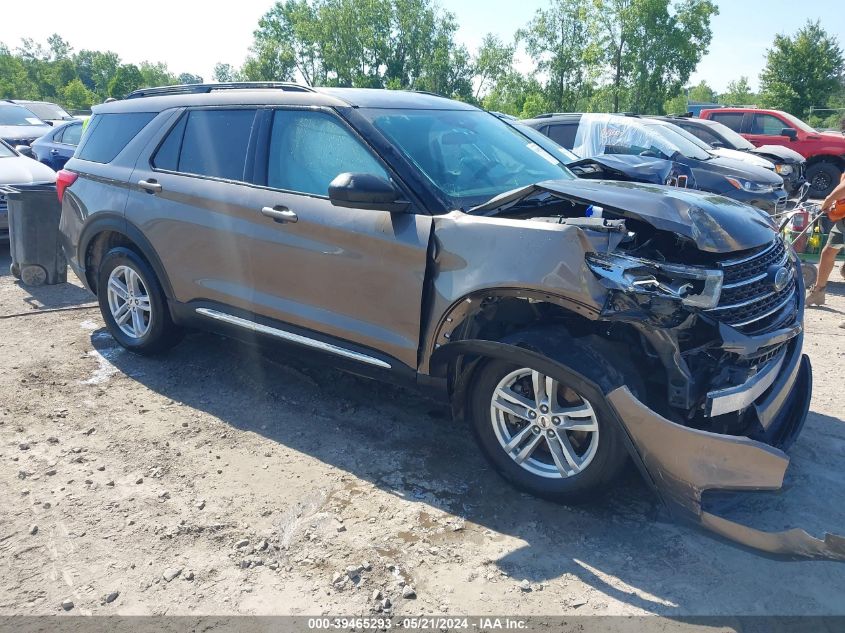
[(470, 156), (11, 114), (735, 141), (797, 123), (48, 111), (5, 150), (687, 144)]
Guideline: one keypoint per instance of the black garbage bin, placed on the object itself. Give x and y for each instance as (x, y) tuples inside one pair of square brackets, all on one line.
[(37, 256)]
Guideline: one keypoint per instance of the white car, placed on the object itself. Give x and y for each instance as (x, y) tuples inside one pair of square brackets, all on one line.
[(16, 169)]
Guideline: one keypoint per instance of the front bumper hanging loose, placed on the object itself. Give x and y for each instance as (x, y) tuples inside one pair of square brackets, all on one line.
[(683, 463)]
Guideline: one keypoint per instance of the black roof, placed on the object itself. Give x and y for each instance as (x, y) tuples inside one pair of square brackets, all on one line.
[(275, 93)]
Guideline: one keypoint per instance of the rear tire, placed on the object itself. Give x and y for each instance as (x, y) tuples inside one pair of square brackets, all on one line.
[(133, 303), (823, 178), (565, 465)]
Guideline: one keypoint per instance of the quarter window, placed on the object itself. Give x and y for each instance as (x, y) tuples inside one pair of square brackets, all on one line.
[(308, 149), (108, 134), (211, 143), (71, 134), (731, 119)]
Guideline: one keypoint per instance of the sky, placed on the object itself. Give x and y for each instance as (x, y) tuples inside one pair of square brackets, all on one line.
[(192, 36)]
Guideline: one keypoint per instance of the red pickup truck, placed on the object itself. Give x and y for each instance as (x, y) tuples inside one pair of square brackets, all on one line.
[(824, 151)]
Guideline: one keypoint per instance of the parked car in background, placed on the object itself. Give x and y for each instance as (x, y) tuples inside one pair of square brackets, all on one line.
[(57, 146), (19, 126), (788, 164), (16, 169), (51, 113), (623, 167), (589, 135), (824, 151)]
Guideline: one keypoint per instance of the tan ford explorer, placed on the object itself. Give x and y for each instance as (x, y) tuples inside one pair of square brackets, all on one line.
[(574, 324)]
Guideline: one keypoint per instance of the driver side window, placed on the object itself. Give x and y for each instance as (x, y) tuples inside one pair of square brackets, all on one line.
[(308, 149), (767, 124)]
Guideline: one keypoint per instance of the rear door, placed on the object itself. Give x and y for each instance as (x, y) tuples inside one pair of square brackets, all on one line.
[(355, 275), (190, 196)]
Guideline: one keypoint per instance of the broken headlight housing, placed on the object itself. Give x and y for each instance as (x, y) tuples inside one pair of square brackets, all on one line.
[(691, 285)]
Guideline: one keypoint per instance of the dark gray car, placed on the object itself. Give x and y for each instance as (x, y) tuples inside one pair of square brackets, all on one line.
[(411, 238), (19, 126)]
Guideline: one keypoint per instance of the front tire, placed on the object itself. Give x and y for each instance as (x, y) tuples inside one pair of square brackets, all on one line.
[(133, 303), (823, 178), (543, 434)]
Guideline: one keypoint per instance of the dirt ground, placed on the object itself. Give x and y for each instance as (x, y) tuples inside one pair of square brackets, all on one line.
[(216, 480)]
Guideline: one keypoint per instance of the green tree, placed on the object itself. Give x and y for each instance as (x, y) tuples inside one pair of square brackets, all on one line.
[(561, 44), (510, 93), (225, 73), (188, 78), (377, 44), (155, 74), (651, 47), (802, 71), (127, 78), (738, 92), (702, 93), (493, 61), (76, 96)]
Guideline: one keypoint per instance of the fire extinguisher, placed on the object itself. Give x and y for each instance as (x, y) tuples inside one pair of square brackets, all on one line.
[(798, 224)]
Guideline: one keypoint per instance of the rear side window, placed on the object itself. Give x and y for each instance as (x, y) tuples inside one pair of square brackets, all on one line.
[(211, 143), (702, 133), (108, 134), (309, 149), (563, 134), (731, 119), (70, 135)]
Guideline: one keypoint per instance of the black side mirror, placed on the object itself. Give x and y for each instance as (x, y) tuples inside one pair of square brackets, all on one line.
[(365, 191), (717, 144), (791, 132), (25, 150)]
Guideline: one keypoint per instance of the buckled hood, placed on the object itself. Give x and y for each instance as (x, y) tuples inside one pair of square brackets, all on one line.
[(714, 223)]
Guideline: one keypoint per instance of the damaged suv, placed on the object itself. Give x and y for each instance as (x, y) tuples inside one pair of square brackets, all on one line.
[(575, 324)]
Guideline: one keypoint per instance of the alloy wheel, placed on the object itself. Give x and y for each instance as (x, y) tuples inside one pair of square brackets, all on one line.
[(543, 425), (129, 302)]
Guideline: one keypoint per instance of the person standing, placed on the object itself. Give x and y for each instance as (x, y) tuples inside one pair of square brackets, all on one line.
[(835, 243)]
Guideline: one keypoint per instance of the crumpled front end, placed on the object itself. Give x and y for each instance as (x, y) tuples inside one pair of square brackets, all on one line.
[(746, 393), (702, 314)]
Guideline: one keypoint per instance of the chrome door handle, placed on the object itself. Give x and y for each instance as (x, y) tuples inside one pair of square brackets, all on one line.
[(279, 214), (150, 186)]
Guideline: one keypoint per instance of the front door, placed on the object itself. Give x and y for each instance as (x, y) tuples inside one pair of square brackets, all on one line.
[(354, 274)]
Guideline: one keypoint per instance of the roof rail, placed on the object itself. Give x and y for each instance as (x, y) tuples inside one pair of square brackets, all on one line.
[(185, 89)]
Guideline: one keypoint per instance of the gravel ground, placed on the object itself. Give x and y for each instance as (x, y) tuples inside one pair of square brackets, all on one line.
[(216, 480)]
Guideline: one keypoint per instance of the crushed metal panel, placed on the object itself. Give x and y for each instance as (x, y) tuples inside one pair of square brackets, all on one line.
[(794, 542), (684, 462)]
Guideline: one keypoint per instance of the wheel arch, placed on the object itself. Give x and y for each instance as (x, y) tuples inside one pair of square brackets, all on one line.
[(471, 305), (839, 161), (106, 231), (551, 350)]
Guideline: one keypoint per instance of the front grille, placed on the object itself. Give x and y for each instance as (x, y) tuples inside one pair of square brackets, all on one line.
[(749, 300)]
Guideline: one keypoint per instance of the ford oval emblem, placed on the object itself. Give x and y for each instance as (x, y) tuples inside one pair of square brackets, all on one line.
[(780, 278)]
